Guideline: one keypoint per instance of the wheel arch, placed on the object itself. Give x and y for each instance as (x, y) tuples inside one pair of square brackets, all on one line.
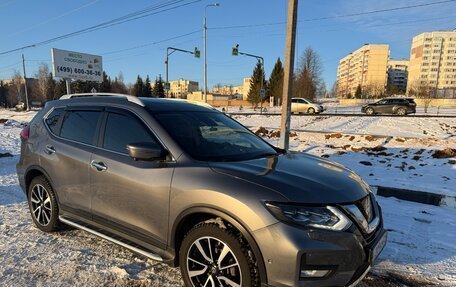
[(31, 173), (188, 218)]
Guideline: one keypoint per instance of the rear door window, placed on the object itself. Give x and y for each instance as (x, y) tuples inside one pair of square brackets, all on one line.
[(53, 120), (80, 126), (123, 129)]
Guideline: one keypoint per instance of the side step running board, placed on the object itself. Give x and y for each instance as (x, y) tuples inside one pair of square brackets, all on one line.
[(147, 254)]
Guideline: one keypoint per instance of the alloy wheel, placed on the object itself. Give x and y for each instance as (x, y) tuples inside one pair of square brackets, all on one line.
[(212, 263), (41, 204), (370, 111)]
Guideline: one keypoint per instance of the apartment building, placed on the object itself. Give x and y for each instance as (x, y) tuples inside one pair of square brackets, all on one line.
[(180, 88), (433, 62), (228, 90), (398, 74), (365, 67), (245, 88)]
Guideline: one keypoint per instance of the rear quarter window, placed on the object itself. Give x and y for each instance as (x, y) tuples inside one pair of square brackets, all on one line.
[(53, 120)]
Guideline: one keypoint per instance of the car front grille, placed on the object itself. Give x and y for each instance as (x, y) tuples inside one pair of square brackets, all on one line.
[(365, 206)]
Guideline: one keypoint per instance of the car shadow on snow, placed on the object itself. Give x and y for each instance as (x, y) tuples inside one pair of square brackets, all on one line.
[(10, 191)]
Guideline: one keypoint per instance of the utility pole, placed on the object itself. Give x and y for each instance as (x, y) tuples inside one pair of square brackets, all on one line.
[(25, 84), (205, 52), (288, 74)]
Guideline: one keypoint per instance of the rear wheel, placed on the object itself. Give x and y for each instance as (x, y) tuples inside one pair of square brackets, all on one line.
[(401, 112), (370, 111), (43, 204), (214, 257)]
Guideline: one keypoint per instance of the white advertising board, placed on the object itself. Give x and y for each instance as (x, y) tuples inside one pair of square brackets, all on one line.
[(76, 66)]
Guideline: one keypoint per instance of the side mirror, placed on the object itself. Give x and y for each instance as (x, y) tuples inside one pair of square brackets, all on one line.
[(146, 151)]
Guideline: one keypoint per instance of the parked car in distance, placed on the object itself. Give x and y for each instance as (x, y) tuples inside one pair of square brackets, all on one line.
[(189, 186), (301, 105), (396, 106)]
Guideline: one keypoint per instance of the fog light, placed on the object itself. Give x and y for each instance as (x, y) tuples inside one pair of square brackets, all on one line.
[(314, 273)]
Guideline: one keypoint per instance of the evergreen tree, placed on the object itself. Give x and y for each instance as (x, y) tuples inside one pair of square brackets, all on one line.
[(358, 92), (159, 90), (60, 89), (50, 87), (105, 85), (147, 91), (3, 93), (275, 88), (255, 85), (138, 87)]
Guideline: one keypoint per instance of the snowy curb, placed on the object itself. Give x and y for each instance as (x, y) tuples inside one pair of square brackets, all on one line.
[(416, 196)]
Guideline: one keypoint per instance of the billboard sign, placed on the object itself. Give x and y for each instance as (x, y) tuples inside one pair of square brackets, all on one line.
[(76, 66)]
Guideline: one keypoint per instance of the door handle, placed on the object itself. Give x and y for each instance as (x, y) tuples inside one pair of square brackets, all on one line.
[(100, 166), (50, 149)]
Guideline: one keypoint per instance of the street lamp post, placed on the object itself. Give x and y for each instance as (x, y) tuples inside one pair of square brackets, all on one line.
[(205, 52)]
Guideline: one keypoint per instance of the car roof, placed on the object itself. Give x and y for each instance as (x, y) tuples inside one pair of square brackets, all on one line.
[(152, 104)]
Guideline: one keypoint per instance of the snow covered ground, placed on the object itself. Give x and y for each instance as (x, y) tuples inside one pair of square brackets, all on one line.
[(421, 249), (391, 152), (335, 108)]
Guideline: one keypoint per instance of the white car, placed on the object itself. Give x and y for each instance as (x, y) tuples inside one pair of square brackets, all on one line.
[(301, 105)]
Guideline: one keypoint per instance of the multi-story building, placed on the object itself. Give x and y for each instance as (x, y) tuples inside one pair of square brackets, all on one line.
[(398, 74), (245, 88), (365, 67), (433, 62), (228, 90), (180, 88)]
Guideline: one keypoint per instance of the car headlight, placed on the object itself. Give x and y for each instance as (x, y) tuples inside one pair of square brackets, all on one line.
[(327, 217)]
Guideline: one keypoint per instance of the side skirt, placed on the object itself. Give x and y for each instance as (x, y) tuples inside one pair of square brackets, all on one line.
[(132, 248)]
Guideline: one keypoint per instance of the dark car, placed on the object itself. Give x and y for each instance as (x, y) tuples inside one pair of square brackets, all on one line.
[(396, 106), (191, 187)]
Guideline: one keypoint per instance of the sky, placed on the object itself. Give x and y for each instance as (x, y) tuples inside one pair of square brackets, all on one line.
[(139, 46)]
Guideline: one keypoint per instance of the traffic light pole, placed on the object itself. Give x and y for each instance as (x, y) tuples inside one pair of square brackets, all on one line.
[(261, 60), (171, 50)]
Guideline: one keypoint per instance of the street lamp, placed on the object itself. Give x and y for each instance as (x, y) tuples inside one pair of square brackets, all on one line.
[(205, 52)]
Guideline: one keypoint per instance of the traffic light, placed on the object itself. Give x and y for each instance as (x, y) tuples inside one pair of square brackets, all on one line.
[(197, 53), (235, 51)]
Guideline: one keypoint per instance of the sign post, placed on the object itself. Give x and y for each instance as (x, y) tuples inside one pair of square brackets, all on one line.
[(70, 65)]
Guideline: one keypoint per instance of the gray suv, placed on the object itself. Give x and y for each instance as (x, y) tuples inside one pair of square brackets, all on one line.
[(191, 187)]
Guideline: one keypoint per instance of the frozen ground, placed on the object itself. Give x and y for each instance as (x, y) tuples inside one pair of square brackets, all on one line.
[(335, 108), (402, 154), (421, 249)]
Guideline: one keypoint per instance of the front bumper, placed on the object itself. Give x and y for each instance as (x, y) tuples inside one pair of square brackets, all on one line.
[(287, 250)]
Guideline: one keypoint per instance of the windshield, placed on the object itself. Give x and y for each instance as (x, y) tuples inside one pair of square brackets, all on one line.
[(210, 136)]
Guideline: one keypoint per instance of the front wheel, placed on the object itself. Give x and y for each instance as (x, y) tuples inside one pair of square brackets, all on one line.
[(214, 257), (43, 204), (311, 111), (370, 111), (401, 112)]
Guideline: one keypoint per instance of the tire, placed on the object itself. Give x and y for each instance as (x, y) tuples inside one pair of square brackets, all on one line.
[(43, 204), (401, 112), (311, 111), (370, 111), (198, 268)]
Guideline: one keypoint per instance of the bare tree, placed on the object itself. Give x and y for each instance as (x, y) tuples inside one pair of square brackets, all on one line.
[(43, 77), (423, 90), (308, 75), (16, 91)]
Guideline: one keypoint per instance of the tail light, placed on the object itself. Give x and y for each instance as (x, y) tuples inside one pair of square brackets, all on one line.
[(25, 133)]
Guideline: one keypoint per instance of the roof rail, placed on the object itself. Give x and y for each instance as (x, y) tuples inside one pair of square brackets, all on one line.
[(129, 98)]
